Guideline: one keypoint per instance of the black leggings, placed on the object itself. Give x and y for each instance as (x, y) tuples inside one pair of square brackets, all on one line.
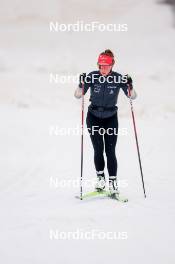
[(97, 127)]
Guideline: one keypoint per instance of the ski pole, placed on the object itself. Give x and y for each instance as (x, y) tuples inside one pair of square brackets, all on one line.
[(82, 134), (136, 138)]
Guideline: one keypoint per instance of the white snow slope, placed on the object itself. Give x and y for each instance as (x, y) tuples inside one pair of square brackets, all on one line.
[(33, 158)]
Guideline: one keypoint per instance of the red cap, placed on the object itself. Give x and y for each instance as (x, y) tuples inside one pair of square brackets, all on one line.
[(105, 60)]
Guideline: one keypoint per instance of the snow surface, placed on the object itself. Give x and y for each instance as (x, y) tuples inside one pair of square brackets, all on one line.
[(33, 157)]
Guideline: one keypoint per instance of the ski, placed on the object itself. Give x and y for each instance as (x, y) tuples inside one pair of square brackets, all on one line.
[(104, 194)]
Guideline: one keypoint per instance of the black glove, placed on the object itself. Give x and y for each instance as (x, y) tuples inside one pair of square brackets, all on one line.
[(129, 81), (82, 79)]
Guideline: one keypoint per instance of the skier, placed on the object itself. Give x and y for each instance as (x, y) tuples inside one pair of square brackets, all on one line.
[(102, 119)]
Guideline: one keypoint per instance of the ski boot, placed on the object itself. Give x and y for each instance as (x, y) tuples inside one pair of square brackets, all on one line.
[(101, 183), (113, 188)]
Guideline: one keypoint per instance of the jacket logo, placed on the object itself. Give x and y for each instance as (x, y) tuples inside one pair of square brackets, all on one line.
[(111, 87), (97, 89), (111, 92)]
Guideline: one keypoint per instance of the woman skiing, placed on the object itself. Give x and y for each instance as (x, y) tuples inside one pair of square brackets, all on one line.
[(102, 119)]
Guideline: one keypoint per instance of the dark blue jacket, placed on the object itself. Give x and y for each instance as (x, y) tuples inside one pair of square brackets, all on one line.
[(104, 92)]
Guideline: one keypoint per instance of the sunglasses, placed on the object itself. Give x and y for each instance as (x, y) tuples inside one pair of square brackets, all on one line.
[(102, 66)]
